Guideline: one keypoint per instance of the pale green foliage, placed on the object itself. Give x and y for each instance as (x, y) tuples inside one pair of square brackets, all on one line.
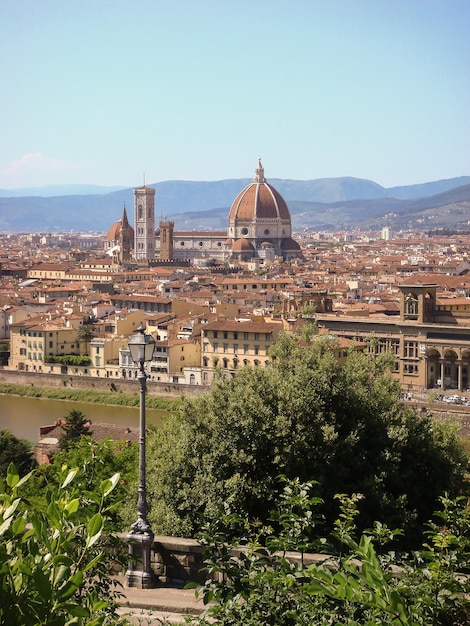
[(54, 569), (250, 582), (94, 460)]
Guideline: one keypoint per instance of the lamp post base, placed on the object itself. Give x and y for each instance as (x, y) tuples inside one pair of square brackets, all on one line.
[(140, 580), (139, 572)]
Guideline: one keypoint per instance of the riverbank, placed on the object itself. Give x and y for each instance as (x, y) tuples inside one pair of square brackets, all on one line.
[(128, 386), (110, 398)]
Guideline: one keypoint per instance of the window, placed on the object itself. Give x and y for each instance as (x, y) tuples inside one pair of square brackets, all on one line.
[(215, 334), (235, 335), (395, 346), (410, 368), (411, 306), (216, 346), (410, 349), (235, 348), (268, 337), (225, 334), (50, 344), (256, 349), (246, 349), (256, 336), (205, 347), (245, 336), (225, 347)]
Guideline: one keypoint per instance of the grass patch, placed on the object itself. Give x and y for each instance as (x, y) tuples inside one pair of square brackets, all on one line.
[(87, 395)]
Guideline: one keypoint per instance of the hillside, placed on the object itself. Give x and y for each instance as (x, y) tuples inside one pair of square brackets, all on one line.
[(327, 203)]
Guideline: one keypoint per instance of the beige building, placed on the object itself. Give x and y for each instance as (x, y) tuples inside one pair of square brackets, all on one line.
[(231, 345), (31, 341), (170, 358)]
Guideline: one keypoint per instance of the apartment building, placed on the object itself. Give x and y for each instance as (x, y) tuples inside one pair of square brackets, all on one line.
[(230, 344), (32, 340), (170, 358)]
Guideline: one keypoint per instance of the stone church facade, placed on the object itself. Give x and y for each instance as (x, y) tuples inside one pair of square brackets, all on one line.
[(259, 227)]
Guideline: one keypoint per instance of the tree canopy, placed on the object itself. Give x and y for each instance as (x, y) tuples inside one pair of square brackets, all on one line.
[(76, 425), (305, 417), (16, 451)]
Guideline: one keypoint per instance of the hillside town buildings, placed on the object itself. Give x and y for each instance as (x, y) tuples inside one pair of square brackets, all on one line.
[(223, 306)]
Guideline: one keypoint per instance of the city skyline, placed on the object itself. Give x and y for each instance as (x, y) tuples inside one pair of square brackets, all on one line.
[(107, 93)]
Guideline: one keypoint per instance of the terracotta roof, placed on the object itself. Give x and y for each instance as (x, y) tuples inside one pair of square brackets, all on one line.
[(254, 327), (242, 245)]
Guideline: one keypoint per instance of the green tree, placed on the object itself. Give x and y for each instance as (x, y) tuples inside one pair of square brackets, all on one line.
[(310, 418), (55, 568), (86, 333), (76, 425), (16, 451)]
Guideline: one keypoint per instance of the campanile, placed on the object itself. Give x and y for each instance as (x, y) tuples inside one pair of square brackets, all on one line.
[(144, 223)]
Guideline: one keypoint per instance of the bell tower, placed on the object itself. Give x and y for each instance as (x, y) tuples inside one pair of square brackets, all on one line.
[(144, 223)]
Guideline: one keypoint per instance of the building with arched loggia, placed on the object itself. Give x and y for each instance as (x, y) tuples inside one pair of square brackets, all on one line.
[(430, 338)]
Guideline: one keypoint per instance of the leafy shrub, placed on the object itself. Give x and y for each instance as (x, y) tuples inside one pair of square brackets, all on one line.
[(252, 582), (54, 565)]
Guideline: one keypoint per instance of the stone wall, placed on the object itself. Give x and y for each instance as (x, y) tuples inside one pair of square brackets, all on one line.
[(177, 559), (129, 387)]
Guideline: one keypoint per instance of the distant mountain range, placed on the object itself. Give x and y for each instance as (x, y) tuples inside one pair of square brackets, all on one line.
[(321, 204)]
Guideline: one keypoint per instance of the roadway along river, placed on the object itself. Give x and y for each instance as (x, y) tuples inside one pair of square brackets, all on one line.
[(23, 416)]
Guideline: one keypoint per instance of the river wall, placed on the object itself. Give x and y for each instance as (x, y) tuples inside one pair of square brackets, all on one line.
[(129, 387)]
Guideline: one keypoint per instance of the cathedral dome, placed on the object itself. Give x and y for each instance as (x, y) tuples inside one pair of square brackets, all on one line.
[(259, 200), (114, 232), (290, 245)]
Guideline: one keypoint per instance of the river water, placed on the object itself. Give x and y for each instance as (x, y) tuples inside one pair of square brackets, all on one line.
[(23, 416)]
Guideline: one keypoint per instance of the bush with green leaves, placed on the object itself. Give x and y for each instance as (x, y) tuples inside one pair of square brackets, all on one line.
[(251, 581), (54, 563), (308, 417), (67, 359), (95, 461), (16, 451)]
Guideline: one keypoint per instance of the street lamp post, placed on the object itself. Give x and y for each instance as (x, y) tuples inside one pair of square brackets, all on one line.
[(140, 537)]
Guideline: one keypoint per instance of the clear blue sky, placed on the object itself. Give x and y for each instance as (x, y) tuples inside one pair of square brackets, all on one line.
[(103, 91)]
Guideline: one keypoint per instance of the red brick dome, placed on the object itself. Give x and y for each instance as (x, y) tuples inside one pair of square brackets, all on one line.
[(290, 245), (259, 200), (242, 245), (114, 232)]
